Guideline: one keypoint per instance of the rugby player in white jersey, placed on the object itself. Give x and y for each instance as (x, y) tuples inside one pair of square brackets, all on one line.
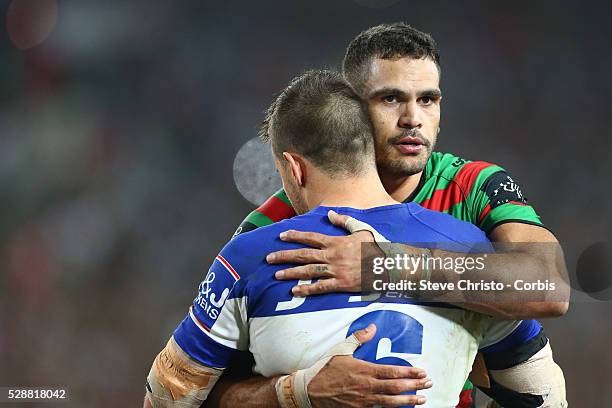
[(240, 305), (396, 70)]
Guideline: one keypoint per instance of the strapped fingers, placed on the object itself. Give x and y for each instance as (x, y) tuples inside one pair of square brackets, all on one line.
[(339, 220), (292, 390), (354, 225), (305, 272), (345, 348)]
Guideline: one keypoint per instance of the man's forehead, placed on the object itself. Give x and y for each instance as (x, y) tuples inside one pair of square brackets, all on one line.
[(406, 73)]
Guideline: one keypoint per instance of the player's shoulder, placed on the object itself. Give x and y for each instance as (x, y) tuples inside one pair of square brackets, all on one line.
[(256, 244), (448, 226), (246, 252), (458, 169)]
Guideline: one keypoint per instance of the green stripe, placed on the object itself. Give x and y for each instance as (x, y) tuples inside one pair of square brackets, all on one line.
[(459, 211), (477, 206), (281, 195), (431, 186), (510, 211), (258, 219), (468, 385)]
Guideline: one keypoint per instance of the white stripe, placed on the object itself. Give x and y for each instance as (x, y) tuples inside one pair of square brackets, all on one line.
[(225, 342), (229, 267)]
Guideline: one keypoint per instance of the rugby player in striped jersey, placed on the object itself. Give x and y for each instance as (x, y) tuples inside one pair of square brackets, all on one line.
[(396, 70)]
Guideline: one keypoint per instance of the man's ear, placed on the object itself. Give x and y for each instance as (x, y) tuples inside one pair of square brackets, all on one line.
[(297, 166)]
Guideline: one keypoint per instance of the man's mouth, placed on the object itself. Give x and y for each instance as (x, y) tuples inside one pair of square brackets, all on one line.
[(409, 145)]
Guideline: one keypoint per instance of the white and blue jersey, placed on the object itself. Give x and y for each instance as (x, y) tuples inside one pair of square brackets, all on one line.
[(241, 306)]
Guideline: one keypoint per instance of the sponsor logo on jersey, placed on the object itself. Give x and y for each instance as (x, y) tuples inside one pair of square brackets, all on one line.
[(215, 289), (458, 162), (238, 231), (502, 189)]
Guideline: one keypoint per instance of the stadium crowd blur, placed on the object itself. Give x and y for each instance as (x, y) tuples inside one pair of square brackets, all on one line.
[(120, 121)]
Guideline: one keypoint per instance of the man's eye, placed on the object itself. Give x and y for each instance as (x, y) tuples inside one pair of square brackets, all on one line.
[(426, 100), (390, 99)]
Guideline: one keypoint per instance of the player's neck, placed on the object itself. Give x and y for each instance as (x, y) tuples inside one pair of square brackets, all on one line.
[(356, 192), (400, 188)]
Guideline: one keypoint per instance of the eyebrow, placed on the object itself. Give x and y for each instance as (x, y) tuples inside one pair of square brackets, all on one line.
[(432, 93)]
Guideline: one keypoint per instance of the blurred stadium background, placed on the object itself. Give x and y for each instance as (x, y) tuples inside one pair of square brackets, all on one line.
[(120, 121)]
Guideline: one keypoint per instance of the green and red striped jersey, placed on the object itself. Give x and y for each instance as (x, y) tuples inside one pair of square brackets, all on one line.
[(478, 192), (474, 191)]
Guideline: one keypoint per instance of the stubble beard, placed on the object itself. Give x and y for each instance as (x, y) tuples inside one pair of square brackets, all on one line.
[(402, 167), (297, 200)]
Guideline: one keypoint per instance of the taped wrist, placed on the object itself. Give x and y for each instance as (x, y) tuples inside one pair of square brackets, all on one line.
[(539, 376), (292, 389), (175, 380)]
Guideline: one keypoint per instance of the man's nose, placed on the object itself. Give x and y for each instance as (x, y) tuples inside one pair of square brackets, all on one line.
[(410, 117)]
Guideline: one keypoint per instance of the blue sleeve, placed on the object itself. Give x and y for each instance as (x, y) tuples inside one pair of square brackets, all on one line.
[(523, 332), (215, 328), (452, 234)]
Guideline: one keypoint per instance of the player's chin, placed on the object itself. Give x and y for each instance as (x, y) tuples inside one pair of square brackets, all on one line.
[(413, 163), (402, 167)]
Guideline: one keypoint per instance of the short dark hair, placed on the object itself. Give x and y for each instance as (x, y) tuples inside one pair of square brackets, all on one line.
[(320, 117), (385, 41)]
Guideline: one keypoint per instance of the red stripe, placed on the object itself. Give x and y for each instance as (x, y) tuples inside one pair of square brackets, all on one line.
[(204, 326), (458, 190), (465, 399), (276, 210), (228, 267), (466, 177), (487, 209), (484, 213), (442, 200)]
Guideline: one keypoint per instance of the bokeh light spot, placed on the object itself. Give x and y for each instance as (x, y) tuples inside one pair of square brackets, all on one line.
[(254, 172), (594, 270), (30, 22)]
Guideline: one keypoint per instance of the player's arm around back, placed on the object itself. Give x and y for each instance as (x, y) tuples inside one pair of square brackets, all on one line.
[(524, 255), (337, 380), (545, 254), (524, 249), (497, 206), (529, 252)]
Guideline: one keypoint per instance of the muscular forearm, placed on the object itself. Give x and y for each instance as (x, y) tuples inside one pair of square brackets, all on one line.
[(256, 392), (336, 380), (524, 262), (523, 252), (529, 262)]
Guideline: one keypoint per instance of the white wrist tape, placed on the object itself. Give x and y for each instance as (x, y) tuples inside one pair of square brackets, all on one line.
[(292, 390), (539, 375)]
